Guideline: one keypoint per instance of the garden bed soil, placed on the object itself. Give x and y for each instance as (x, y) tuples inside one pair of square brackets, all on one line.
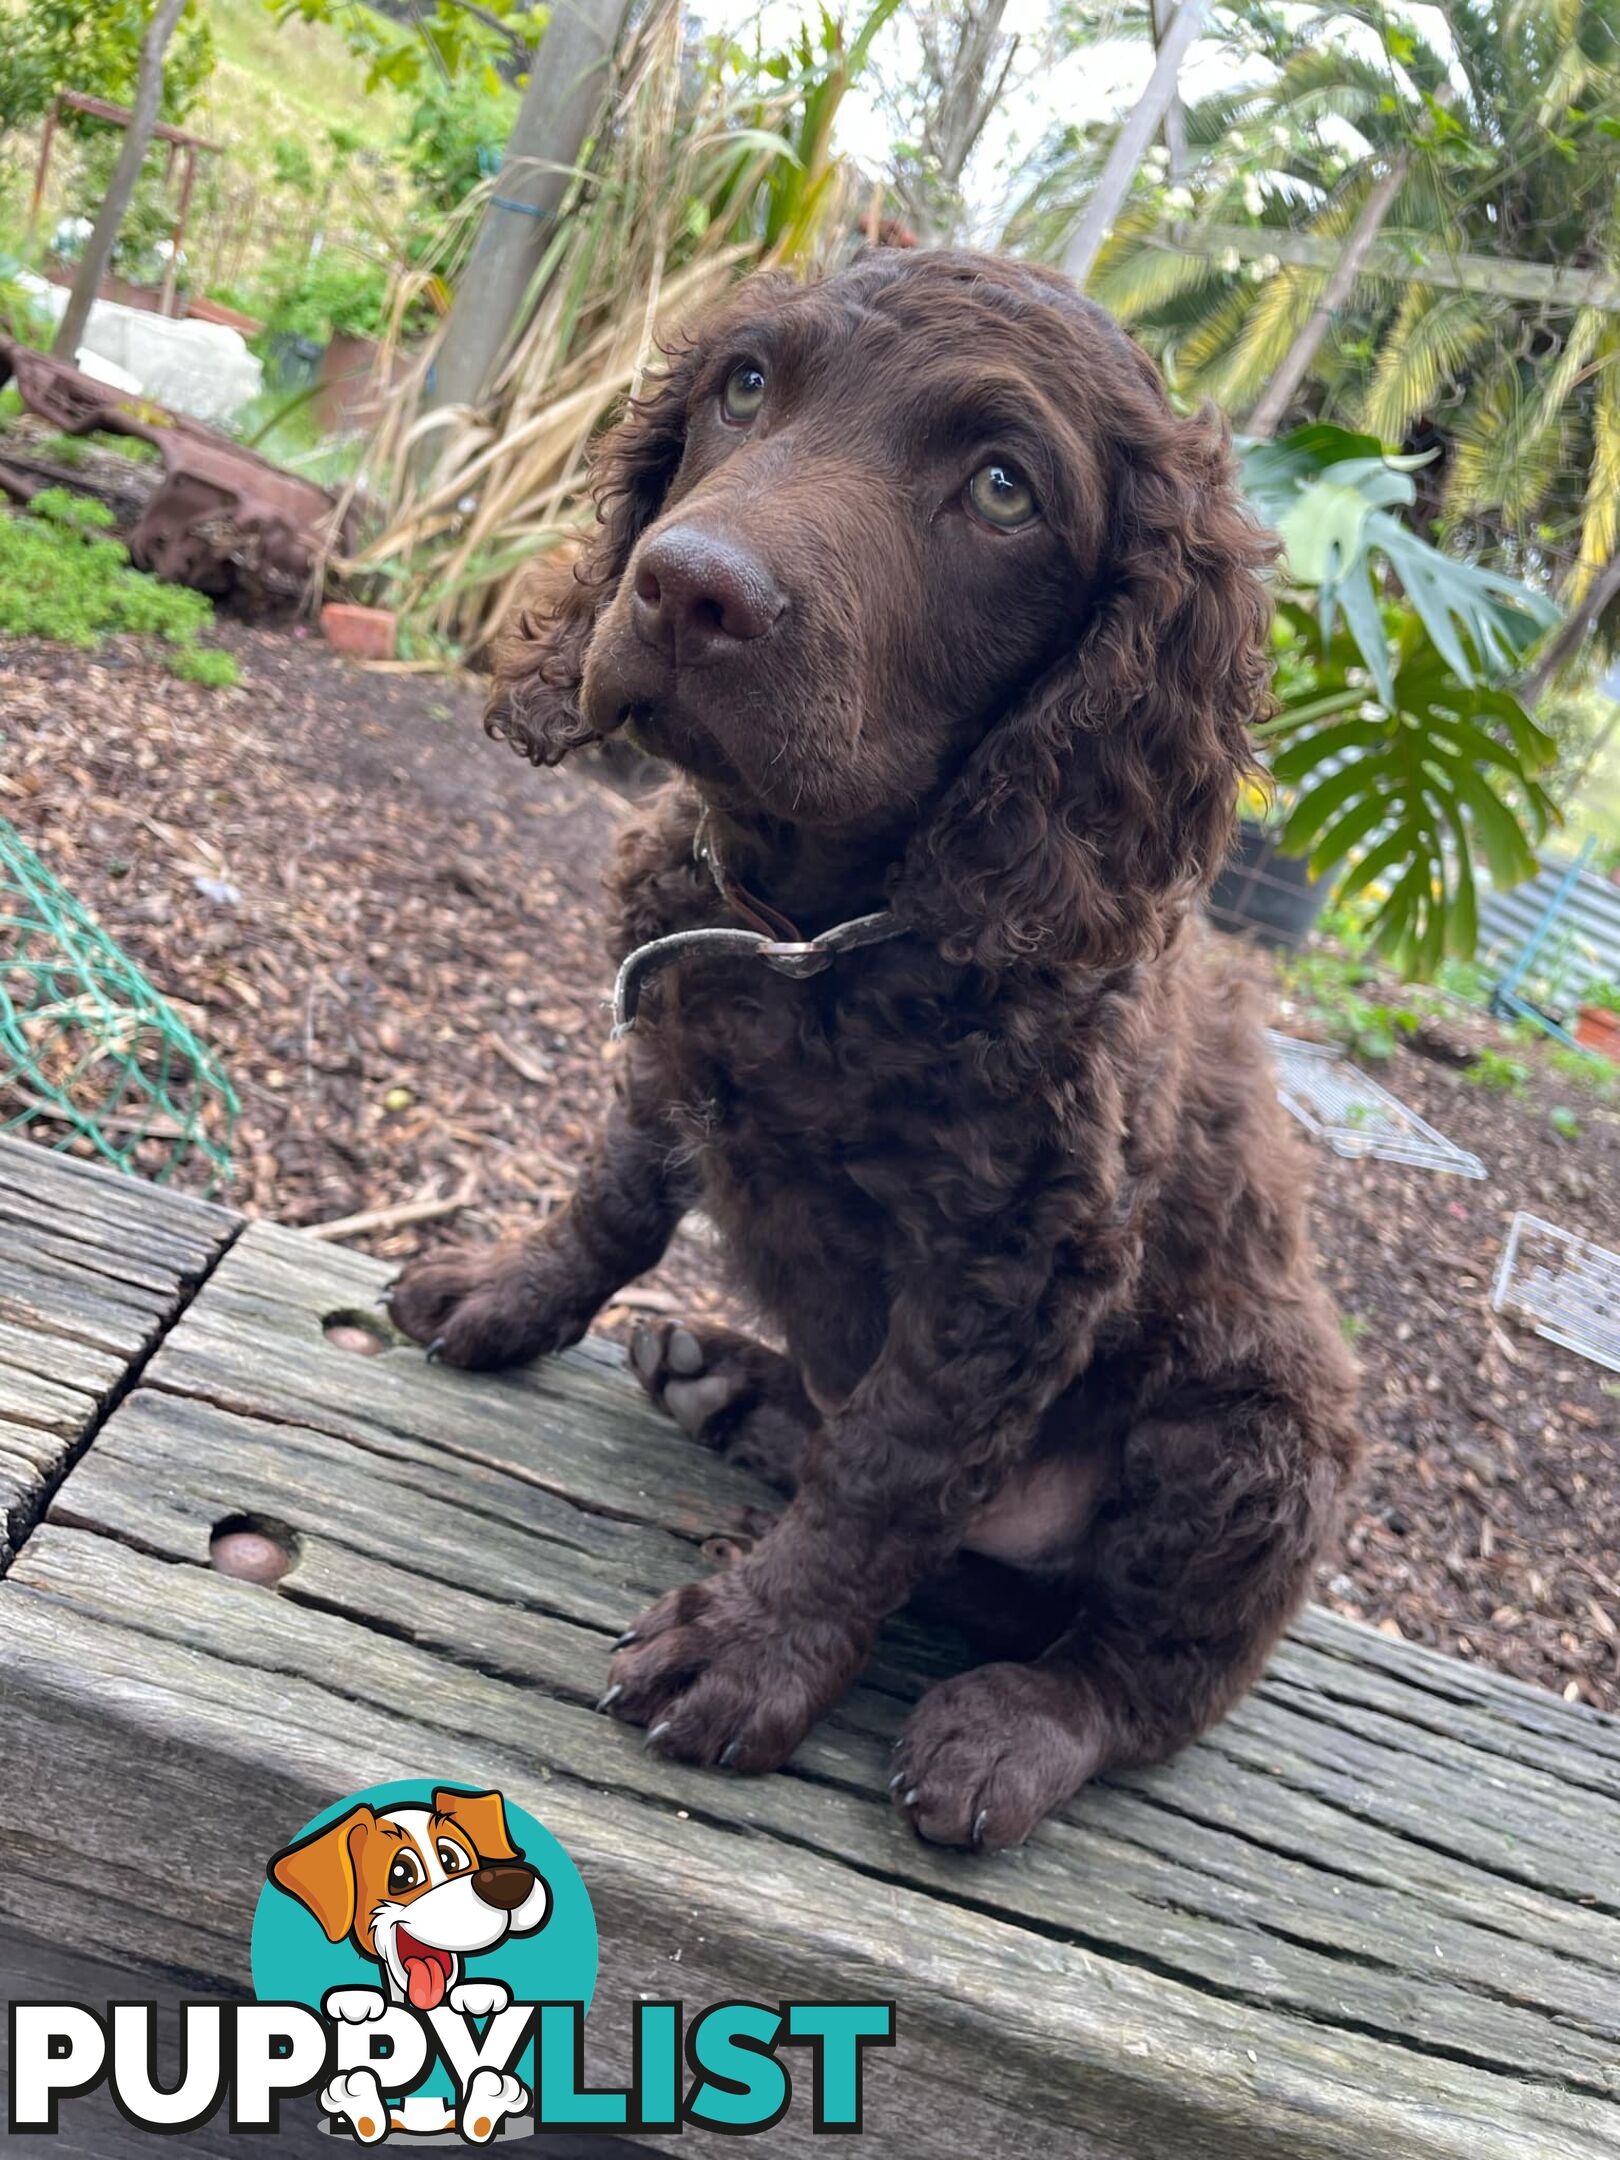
[(408, 990)]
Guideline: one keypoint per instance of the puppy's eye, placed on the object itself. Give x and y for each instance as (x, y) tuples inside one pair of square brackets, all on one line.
[(451, 1857), (405, 1874), (744, 393), (1002, 496)]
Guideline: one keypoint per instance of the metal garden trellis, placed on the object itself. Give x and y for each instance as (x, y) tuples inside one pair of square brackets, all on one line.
[(90, 1052), (120, 116)]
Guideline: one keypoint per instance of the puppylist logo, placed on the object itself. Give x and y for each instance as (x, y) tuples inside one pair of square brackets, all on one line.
[(424, 1957)]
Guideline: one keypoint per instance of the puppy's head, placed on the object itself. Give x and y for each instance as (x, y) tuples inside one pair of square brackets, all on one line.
[(923, 552), (418, 1888)]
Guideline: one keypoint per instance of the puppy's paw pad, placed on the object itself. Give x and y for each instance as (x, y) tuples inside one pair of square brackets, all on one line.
[(356, 2098), (694, 1381), (693, 1403), (491, 2097), (735, 1396)]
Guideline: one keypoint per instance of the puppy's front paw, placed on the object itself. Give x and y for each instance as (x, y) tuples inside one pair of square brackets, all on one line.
[(717, 1676), (491, 2096), (987, 1755), (354, 2005), (479, 1998), (483, 1306), (356, 2098)]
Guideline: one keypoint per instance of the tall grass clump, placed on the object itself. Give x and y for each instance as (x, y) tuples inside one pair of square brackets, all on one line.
[(712, 160)]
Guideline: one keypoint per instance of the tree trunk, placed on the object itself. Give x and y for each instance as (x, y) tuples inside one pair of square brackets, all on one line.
[(1141, 125), (567, 84), (1278, 394), (1175, 115), (1567, 640), (959, 98), (137, 139)]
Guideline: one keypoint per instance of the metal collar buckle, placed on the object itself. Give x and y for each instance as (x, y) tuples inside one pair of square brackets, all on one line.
[(807, 957), (797, 958)]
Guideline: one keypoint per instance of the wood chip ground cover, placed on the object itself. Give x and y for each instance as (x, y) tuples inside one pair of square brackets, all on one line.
[(390, 929)]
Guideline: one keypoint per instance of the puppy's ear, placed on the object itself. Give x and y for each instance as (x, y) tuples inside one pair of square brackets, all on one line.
[(482, 1815), (540, 655), (1089, 816), (320, 1871)]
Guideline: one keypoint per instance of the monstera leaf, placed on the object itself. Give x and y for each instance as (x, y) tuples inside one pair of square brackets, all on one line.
[(1332, 497), (1402, 795), (1402, 760)]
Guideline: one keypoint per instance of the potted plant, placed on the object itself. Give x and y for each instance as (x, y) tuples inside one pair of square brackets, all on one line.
[(1597, 1021), (338, 303), (1263, 893)]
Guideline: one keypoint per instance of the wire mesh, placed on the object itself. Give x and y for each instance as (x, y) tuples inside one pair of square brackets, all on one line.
[(1567, 1287), (1338, 1103), (94, 1061)]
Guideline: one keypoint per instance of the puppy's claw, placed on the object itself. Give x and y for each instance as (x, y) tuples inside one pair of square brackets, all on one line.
[(607, 1701), (729, 1753), (434, 1351), (899, 1778), (657, 1732), (909, 1798), (629, 1636), (979, 1822)]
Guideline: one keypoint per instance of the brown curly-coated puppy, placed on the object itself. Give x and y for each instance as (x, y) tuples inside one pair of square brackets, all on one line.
[(937, 607)]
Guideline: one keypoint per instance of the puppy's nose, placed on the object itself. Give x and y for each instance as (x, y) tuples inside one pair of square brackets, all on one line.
[(697, 598), (505, 1887)]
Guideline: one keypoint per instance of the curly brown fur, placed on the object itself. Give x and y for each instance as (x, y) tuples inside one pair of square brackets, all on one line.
[(1014, 1187)]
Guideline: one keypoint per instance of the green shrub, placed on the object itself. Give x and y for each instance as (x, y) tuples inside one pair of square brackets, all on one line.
[(63, 577), (204, 664), (456, 135), (336, 293), (1501, 1074)]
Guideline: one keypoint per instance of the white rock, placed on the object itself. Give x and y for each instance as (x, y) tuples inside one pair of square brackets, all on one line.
[(204, 369)]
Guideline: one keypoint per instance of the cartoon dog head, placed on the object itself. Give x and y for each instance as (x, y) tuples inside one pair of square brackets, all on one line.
[(417, 1887)]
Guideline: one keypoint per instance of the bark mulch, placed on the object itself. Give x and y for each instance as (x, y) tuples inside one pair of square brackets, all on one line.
[(388, 927)]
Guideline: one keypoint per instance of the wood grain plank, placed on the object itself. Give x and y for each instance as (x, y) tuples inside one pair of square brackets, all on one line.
[(493, 1588), (1377, 1912), (92, 1268), (92, 1191), (150, 1694)]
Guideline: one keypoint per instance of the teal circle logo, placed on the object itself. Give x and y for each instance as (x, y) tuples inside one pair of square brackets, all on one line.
[(296, 1960), (423, 1897)]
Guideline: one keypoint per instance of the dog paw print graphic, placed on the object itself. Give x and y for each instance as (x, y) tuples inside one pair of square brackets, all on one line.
[(423, 1921)]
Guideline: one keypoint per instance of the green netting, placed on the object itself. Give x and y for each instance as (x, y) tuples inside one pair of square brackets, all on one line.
[(92, 1059)]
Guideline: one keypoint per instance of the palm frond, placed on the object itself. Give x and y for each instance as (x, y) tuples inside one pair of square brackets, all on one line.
[(1506, 451), (1197, 350), (1600, 522), (1279, 312), (463, 498), (1432, 338), (1139, 280)]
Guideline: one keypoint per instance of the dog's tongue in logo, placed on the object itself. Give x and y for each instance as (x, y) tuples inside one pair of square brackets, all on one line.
[(427, 1971)]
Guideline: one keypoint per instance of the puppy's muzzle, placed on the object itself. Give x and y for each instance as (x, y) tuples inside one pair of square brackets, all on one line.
[(698, 599)]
